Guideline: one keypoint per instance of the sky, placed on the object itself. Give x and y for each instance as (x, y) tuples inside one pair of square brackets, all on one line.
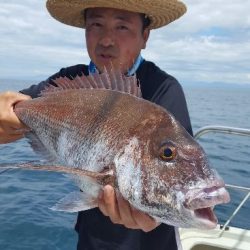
[(209, 44)]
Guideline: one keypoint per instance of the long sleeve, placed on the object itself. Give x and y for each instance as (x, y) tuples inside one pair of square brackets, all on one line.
[(69, 72), (163, 89), (170, 96)]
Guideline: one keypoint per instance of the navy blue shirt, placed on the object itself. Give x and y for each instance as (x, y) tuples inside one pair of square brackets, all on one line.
[(97, 232)]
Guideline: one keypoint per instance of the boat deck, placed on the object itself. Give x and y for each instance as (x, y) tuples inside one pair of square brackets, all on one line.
[(232, 238)]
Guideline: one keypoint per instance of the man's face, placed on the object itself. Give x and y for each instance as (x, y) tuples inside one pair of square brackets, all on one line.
[(114, 37)]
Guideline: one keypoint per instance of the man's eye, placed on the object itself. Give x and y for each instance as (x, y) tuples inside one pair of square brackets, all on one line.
[(96, 25), (122, 27)]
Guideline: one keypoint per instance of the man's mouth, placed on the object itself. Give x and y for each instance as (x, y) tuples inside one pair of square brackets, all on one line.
[(106, 56)]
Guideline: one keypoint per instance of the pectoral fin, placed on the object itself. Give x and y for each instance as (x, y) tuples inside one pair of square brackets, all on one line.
[(103, 178), (75, 202)]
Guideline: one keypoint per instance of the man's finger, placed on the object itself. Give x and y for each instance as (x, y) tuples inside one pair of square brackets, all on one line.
[(20, 131), (10, 138), (101, 204), (108, 205), (144, 221), (110, 202), (125, 213), (8, 118)]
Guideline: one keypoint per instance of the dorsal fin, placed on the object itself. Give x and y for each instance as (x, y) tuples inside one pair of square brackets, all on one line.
[(113, 80)]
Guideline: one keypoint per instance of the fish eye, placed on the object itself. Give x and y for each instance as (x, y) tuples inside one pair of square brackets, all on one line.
[(167, 153)]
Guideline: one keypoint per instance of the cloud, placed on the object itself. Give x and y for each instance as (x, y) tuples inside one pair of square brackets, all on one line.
[(34, 44), (226, 14), (203, 59), (210, 43)]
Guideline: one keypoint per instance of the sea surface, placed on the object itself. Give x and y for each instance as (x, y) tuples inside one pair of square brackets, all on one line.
[(27, 223)]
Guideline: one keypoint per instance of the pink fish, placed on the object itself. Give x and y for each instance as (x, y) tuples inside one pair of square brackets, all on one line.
[(99, 130)]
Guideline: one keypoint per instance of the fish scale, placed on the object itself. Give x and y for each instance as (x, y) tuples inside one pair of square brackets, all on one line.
[(101, 132)]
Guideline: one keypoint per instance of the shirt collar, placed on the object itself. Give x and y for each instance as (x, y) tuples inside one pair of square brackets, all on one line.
[(93, 69)]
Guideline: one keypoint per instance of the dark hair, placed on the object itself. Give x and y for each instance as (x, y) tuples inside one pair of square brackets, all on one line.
[(145, 21)]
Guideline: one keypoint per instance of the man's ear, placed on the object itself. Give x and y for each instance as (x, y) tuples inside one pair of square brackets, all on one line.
[(145, 36)]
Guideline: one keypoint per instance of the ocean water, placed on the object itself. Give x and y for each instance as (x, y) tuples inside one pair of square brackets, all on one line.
[(27, 223)]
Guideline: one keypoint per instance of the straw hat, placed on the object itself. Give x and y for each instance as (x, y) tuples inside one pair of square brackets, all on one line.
[(160, 12)]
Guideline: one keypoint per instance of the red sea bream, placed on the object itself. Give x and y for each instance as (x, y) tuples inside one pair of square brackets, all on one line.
[(100, 130)]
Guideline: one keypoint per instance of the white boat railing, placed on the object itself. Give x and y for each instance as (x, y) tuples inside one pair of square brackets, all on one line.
[(222, 129), (234, 131)]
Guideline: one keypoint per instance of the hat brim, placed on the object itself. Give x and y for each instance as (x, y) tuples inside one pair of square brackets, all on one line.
[(160, 12)]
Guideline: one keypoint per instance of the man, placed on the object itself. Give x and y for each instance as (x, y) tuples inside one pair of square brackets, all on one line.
[(116, 31)]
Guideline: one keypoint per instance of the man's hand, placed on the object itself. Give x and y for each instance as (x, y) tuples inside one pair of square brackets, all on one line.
[(121, 212), (11, 128)]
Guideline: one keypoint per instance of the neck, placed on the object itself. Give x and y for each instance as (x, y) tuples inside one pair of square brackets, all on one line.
[(93, 69)]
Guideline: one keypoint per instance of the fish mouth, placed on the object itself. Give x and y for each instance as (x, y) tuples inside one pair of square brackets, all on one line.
[(207, 217), (201, 203)]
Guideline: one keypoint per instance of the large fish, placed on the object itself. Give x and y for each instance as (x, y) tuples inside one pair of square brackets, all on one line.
[(101, 131)]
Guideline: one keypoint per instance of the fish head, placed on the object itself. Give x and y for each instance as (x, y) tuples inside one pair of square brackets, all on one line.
[(164, 172)]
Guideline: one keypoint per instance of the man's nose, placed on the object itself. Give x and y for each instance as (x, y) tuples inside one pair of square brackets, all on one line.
[(107, 38)]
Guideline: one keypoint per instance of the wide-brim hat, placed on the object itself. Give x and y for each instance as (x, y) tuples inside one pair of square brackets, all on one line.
[(160, 12)]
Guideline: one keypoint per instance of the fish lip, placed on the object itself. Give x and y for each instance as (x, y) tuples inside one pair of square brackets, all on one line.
[(201, 202), (206, 197), (209, 193)]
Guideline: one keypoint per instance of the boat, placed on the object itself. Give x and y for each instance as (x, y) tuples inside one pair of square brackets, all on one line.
[(223, 237)]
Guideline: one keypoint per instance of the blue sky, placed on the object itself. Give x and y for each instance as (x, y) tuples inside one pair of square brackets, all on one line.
[(210, 43)]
